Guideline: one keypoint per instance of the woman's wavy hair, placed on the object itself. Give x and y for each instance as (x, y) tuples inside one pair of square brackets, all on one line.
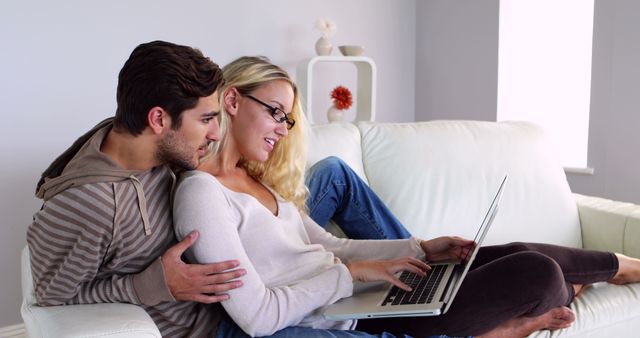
[(284, 170)]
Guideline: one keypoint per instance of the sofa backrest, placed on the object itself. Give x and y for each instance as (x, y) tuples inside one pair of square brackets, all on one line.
[(337, 139), (439, 177)]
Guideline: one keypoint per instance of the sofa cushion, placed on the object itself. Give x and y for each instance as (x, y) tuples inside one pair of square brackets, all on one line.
[(439, 178), (336, 139)]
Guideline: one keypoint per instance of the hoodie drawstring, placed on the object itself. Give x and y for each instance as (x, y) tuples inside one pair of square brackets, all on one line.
[(174, 180), (142, 205)]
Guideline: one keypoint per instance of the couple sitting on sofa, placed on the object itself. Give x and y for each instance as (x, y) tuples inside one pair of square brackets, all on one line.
[(105, 232)]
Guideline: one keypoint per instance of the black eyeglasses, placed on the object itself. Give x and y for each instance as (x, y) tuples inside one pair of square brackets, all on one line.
[(278, 114)]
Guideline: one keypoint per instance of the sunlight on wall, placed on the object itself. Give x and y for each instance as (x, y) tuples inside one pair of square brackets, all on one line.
[(544, 70)]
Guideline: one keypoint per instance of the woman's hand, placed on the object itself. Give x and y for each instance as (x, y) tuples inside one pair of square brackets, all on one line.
[(447, 247), (385, 270)]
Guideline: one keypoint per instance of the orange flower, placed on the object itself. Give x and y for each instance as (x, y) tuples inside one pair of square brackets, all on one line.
[(341, 97)]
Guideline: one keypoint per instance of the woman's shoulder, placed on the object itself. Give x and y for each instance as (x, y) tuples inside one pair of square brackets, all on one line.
[(197, 176), (196, 180)]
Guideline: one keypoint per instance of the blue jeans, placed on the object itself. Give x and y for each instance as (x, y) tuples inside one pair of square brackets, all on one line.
[(337, 193), (228, 329)]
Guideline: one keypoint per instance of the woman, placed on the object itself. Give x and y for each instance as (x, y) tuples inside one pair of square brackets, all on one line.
[(247, 200)]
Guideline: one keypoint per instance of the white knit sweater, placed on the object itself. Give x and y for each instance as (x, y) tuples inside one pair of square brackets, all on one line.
[(294, 267)]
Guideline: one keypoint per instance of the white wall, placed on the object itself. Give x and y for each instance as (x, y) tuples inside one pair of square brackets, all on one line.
[(59, 62), (456, 78)]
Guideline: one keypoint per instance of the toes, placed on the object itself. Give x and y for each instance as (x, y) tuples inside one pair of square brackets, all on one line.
[(566, 313), (559, 324), (616, 281), (561, 317)]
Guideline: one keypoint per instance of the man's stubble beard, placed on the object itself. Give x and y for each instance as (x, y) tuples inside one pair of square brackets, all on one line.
[(174, 152)]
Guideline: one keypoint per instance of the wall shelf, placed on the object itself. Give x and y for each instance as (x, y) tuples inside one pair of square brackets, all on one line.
[(365, 96)]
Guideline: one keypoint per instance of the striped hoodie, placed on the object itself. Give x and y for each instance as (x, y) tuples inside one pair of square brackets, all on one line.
[(99, 236)]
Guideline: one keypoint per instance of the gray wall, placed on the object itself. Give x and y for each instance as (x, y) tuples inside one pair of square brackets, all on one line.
[(456, 78), (59, 62), (456, 59), (615, 104)]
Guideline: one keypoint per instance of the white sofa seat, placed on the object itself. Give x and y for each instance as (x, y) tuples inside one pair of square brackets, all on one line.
[(438, 178), (91, 320), (606, 310), (602, 311)]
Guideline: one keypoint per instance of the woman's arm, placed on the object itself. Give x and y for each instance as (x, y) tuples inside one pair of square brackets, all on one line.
[(349, 250), (200, 204)]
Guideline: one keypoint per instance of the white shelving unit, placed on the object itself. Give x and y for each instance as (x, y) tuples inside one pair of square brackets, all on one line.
[(365, 96)]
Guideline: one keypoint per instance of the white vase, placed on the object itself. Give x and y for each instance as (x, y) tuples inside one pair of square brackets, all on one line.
[(335, 115), (323, 46)]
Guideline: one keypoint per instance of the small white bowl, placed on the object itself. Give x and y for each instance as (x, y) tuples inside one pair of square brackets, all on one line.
[(351, 50)]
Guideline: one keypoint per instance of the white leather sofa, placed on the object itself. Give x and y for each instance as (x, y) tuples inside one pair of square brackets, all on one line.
[(438, 178)]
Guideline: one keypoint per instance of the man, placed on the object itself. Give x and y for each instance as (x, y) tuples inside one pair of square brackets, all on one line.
[(105, 233)]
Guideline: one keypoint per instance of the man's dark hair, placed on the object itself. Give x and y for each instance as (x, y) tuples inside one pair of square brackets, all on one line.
[(166, 75)]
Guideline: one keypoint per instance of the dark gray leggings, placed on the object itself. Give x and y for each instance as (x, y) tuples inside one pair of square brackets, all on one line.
[(506, 282)]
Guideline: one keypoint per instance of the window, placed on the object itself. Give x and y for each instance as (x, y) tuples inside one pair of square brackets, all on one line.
[(544, 70)]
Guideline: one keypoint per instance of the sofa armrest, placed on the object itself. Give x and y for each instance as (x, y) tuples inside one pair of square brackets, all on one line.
[(91, 320), (609, 225)]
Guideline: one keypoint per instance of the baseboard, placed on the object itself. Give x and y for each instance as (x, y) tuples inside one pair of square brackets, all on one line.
[(13, 331)]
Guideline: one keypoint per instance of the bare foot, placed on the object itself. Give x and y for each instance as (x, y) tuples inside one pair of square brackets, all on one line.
[(577, 289), (628, 270), (556, 318)]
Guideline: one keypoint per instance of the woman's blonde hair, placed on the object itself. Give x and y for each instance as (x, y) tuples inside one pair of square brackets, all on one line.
[(284, 170)]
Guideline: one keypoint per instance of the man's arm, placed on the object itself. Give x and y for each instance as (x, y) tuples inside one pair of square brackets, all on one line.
[(203, 283), (69, 241)]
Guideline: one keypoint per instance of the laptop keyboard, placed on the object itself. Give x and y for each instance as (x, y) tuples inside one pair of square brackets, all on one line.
[(423, 288)]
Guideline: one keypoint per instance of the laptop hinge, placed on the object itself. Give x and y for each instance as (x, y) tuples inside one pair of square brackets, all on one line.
[(446, 295)]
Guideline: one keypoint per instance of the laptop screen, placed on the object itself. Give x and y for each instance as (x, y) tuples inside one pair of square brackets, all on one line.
[(482, 231)]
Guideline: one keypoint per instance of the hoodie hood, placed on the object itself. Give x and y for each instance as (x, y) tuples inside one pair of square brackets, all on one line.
[(84, 163)]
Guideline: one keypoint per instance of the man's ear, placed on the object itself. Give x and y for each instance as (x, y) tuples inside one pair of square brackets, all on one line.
[(230, 99), (158, 120)]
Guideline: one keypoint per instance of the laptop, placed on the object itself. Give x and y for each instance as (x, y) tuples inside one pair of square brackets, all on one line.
[(431, 295)]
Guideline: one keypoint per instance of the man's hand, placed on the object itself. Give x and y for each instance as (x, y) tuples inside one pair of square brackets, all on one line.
[(198, 282), (384, 270), (448, 247)]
